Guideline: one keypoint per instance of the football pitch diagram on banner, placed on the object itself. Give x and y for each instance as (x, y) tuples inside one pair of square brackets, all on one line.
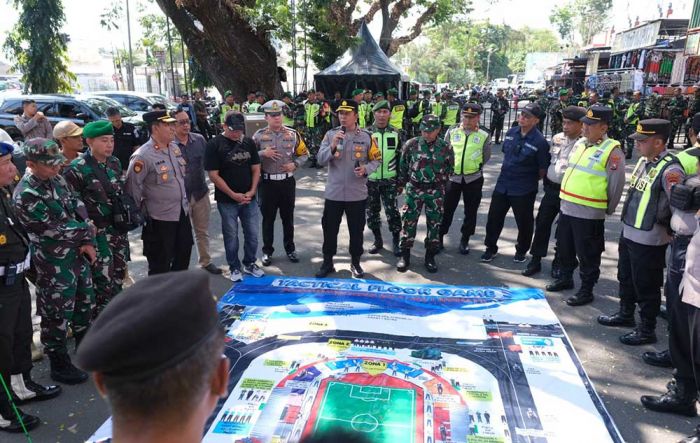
[(401, 363)]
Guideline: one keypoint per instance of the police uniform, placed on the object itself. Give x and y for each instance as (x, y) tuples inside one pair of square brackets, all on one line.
[(313, 128), (472, 149), (156, 181), (278, 187), (225, 107), (59, 227), (634, 112), (499, 109), (417, 110), (452, 109), (645, 235), (346, 193), (525, 157), (590, 189), (381, 185)]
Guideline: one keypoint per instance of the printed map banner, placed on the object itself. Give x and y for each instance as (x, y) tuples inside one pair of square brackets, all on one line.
[(401, 363)]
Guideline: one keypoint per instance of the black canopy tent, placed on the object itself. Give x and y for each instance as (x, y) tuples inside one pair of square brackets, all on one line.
[(363, 66)]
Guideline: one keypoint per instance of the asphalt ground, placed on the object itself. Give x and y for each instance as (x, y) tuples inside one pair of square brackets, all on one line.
[(617, 371)]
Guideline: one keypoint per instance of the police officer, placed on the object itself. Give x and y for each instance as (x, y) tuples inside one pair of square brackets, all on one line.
[(499, 109), (426, 164), (398, 109), (230, 105), (96, 177), (438, 107), (351, 154), (312, 109), (63, 248), (452, 110), (288, 112), (634, 112), (161, 339), (591, 189), (15, 309), (281, 151), (417, 110), (562, 145), (525, 162), (381, 186), (156, 181), (645, 234), (363, 110), (472, 149)]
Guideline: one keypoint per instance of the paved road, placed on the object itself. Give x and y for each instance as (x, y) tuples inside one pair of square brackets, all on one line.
[(616, 370)]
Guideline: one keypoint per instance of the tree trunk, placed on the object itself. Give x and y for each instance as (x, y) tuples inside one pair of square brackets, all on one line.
[(235, 56)]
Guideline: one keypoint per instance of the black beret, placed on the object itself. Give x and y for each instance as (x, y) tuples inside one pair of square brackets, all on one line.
[(151, 326), (574, 113)]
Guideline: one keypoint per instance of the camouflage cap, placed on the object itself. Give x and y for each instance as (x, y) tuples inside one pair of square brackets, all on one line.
[(429, 123), (42, 150)]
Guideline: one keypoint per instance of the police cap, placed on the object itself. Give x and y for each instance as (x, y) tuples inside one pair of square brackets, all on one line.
[(347, 105), (152, 326), (157, 116), (598, 114), (274, 107), (651, 127), (574, 113), (471, 109)]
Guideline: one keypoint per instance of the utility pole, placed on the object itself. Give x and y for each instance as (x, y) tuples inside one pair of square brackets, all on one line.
[(170, 48), (130, 68), (294, 47), (184, 65)]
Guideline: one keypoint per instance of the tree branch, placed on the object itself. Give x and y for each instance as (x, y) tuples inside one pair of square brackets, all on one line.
[(369, 16), (415, 31)]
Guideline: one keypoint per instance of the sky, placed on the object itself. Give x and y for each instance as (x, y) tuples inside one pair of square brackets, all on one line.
[(83, 23)]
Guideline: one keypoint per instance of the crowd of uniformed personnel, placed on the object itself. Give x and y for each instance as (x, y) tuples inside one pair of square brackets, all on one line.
[(64, 209)]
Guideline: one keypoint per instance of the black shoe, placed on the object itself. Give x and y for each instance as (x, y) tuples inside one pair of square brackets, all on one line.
[(292, 256), (679, 399), (78, 336), (639, 336), (663, 312), (378, 242), (533, 267), (519, 257), (212, 269), (441, 244), (326, 267), (561, 284), (15, 427), (24, 390), (617, 319), (464, 246), (582, 297), (395, 244), (556, 272), (430, 264), (661, 359), (488, 256), (695, 438), (63, 371), (357, 270), (404, 261), (266, 259)]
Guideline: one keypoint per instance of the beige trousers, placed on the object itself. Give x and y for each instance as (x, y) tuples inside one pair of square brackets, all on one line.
[(199, 216)]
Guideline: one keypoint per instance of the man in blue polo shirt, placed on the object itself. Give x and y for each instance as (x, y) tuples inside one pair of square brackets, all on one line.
[(525, 162)]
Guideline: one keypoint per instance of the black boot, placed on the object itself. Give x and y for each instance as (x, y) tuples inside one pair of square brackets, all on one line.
[(679, 399), (14, 425), (326, 267), (695, 438), (643, 334), (79, 338), (378, 242), (533, 267), (404, 261), (430, 264), (661, 359), (561, 284), (24, 389), (663, 312), (441, 243), (395, 244), (582, 297), (63, 371), (464, 245), (356, 269), (623, 317)]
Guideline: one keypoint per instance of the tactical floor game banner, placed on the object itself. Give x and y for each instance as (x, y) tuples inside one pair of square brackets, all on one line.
[(401, 363)]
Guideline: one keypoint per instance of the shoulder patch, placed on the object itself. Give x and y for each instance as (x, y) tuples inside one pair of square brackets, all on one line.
[(138, 166)]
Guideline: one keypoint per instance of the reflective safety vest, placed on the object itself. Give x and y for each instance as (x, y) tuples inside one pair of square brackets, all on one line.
[(387, 140), (437, 109), (312, 110), (420, 114), (225, 108), (287, 121), (641, 204), (451, 114), (254, 107), (397, 112), (468, 150), (689, 162), (585, 181), (362, 115), (631, 111)]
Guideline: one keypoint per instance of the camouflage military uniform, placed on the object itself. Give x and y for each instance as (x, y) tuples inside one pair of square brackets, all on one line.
[(424, 170), (652, 106), (693, 109), (676, 113), (57, 225), (109, 270), (556, 119)]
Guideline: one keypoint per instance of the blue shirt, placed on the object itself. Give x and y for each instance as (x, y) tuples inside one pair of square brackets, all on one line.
[(523, 159)]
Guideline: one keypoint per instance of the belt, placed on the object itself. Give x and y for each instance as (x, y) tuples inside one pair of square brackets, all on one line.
[(21, 266), (277, 177)]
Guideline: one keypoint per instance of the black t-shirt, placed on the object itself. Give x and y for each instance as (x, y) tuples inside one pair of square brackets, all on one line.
[(125, 139), (233, 160)]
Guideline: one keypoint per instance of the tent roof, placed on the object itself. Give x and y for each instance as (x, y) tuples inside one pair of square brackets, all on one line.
[(365, 59)]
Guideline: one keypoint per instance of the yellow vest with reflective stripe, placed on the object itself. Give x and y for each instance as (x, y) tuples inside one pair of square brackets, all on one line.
[(585, 181), (312, 110), (641, 204), (451, 114), (397, 112), (631, 111), (689, 162), (468, 150), (437, 110)]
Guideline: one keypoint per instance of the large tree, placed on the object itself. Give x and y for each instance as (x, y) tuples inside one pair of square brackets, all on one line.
[(37, 47), (578, 21)]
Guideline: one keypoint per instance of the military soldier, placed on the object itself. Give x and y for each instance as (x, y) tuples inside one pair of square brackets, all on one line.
[(693, 109), (543, 102), (590, 190), (426, 164), (351, 154), (15, 309), (156, 181), (499, 109), (652, 106), (313, 121), (677, 108), (381, 186), (288, 113), (556, 119), (281, 151), (87, 175), (634, 112), (63, 248), (645, 234), (472, 149), (417, 110)]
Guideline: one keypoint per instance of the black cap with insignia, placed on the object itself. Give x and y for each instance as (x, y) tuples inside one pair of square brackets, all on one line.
[(157, 116), (151, 326), (347, 105), (598, 114), (650, 127), (471, 109)]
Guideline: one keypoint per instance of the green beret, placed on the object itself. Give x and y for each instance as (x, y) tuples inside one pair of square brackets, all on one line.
[(288, 95), (139, 335), (412, 91), (98, 129), (563, 92), (381, 104), (392, 91), (381, 94), (227, 93), (357, 92), (45, 151)]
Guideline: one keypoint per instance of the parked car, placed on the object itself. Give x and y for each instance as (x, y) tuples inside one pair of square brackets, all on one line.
[(80, 109), (139, 102)]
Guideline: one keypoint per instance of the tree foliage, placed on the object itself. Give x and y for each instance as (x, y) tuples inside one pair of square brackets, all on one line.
[(578, 21), (37, 47)]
